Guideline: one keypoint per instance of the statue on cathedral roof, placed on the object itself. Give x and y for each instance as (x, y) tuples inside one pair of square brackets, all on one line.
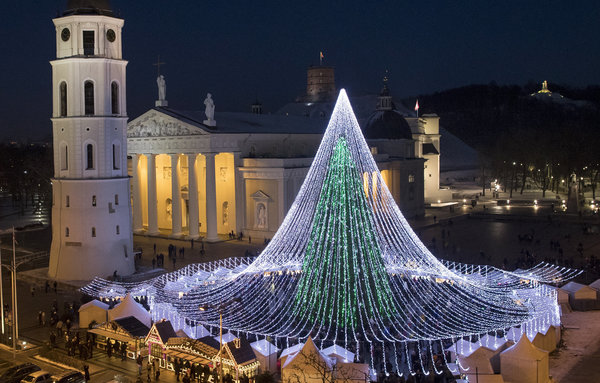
[(209, 111), (162, 88)]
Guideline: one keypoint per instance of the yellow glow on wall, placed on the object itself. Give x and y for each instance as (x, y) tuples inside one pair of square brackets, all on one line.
[(385, 175), (375, 185)]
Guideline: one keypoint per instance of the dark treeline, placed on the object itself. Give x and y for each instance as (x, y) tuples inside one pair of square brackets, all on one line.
[(25, 173), (525, 140)]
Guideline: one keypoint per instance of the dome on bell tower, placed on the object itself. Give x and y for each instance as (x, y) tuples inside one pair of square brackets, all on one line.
[(88, 7)]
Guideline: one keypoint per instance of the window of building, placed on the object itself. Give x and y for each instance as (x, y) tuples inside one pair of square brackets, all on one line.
[(66, 231), (116, 154), (90, 156), (114, 93), (118, 230), (93, 200), (68, 202), (88, 43), (116, 199), (93, 231), (63, 99), (64, 158), (89, 97), (411, 178)]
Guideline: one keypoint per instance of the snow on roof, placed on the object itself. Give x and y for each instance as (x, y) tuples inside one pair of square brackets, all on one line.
[(129, 307), (94, 303), (336, 350), (235, 122), (264, 347), (291, 350), (227, 337)]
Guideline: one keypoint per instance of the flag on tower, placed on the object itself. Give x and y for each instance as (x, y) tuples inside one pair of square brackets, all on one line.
[(321, 57), (417, 108)]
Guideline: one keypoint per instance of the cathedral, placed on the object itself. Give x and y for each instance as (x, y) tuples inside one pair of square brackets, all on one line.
[(195, 173), (204, 173)]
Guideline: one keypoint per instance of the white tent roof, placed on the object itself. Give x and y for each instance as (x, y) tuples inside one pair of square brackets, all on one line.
[(129, 307), (264, 347), (336, 350), (492, 342), (462, 346), (200, 331), (308, 348), (227, 337), (514, 334), (573, 287), (525, 350), (291, 350), (595, 284), (94, 303)]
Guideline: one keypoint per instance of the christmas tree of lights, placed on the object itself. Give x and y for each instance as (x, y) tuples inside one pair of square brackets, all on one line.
[(341, 262), (347, 269)]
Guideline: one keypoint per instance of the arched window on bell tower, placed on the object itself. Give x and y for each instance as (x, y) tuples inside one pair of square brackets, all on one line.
[(89, 98), (114, 97), (89, 148), (63, 99)]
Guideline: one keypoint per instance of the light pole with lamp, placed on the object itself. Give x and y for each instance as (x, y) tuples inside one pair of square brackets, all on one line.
[(220, 308)]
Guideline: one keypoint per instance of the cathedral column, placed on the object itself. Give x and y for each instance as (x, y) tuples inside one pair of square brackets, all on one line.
[(137, 198), (175, 197), (193, 197), (240, 206), (152, 199), (211, 199)]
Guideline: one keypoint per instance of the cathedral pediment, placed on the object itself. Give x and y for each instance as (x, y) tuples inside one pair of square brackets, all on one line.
[(156, 124)]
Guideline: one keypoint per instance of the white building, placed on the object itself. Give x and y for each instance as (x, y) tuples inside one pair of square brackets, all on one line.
[(91, 212), (242, 171)]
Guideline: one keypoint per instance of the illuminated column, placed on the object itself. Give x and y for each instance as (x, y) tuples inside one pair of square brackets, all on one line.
[(175, 197), (152, 201), (193, 196), (281, 199), (239, 193), (211, 199), (137, 197)]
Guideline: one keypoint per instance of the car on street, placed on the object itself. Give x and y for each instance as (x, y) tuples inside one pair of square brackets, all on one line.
[(18, 372), (38, 377), (70, 376)]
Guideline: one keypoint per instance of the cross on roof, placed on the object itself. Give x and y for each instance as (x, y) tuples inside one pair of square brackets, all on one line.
[(157, 65)]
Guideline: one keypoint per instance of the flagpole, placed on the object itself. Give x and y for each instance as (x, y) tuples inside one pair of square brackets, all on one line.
[(14, 296)]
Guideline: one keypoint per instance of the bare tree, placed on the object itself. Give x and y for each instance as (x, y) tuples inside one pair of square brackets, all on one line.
[(314, 367)]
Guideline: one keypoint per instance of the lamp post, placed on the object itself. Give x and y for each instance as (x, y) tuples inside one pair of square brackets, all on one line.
[(220, 308)]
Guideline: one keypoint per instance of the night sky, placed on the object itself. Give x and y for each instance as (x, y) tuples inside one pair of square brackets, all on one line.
[(241, 50)]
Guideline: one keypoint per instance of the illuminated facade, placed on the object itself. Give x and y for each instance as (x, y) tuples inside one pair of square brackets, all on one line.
[(91, 211)]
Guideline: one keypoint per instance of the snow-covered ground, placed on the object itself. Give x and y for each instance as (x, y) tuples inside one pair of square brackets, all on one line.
[(579, 360)]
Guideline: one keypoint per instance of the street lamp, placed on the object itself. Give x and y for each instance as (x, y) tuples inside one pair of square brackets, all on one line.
[(220, 308)]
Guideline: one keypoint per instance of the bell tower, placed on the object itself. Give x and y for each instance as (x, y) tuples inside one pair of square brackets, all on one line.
[(91, 209)]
